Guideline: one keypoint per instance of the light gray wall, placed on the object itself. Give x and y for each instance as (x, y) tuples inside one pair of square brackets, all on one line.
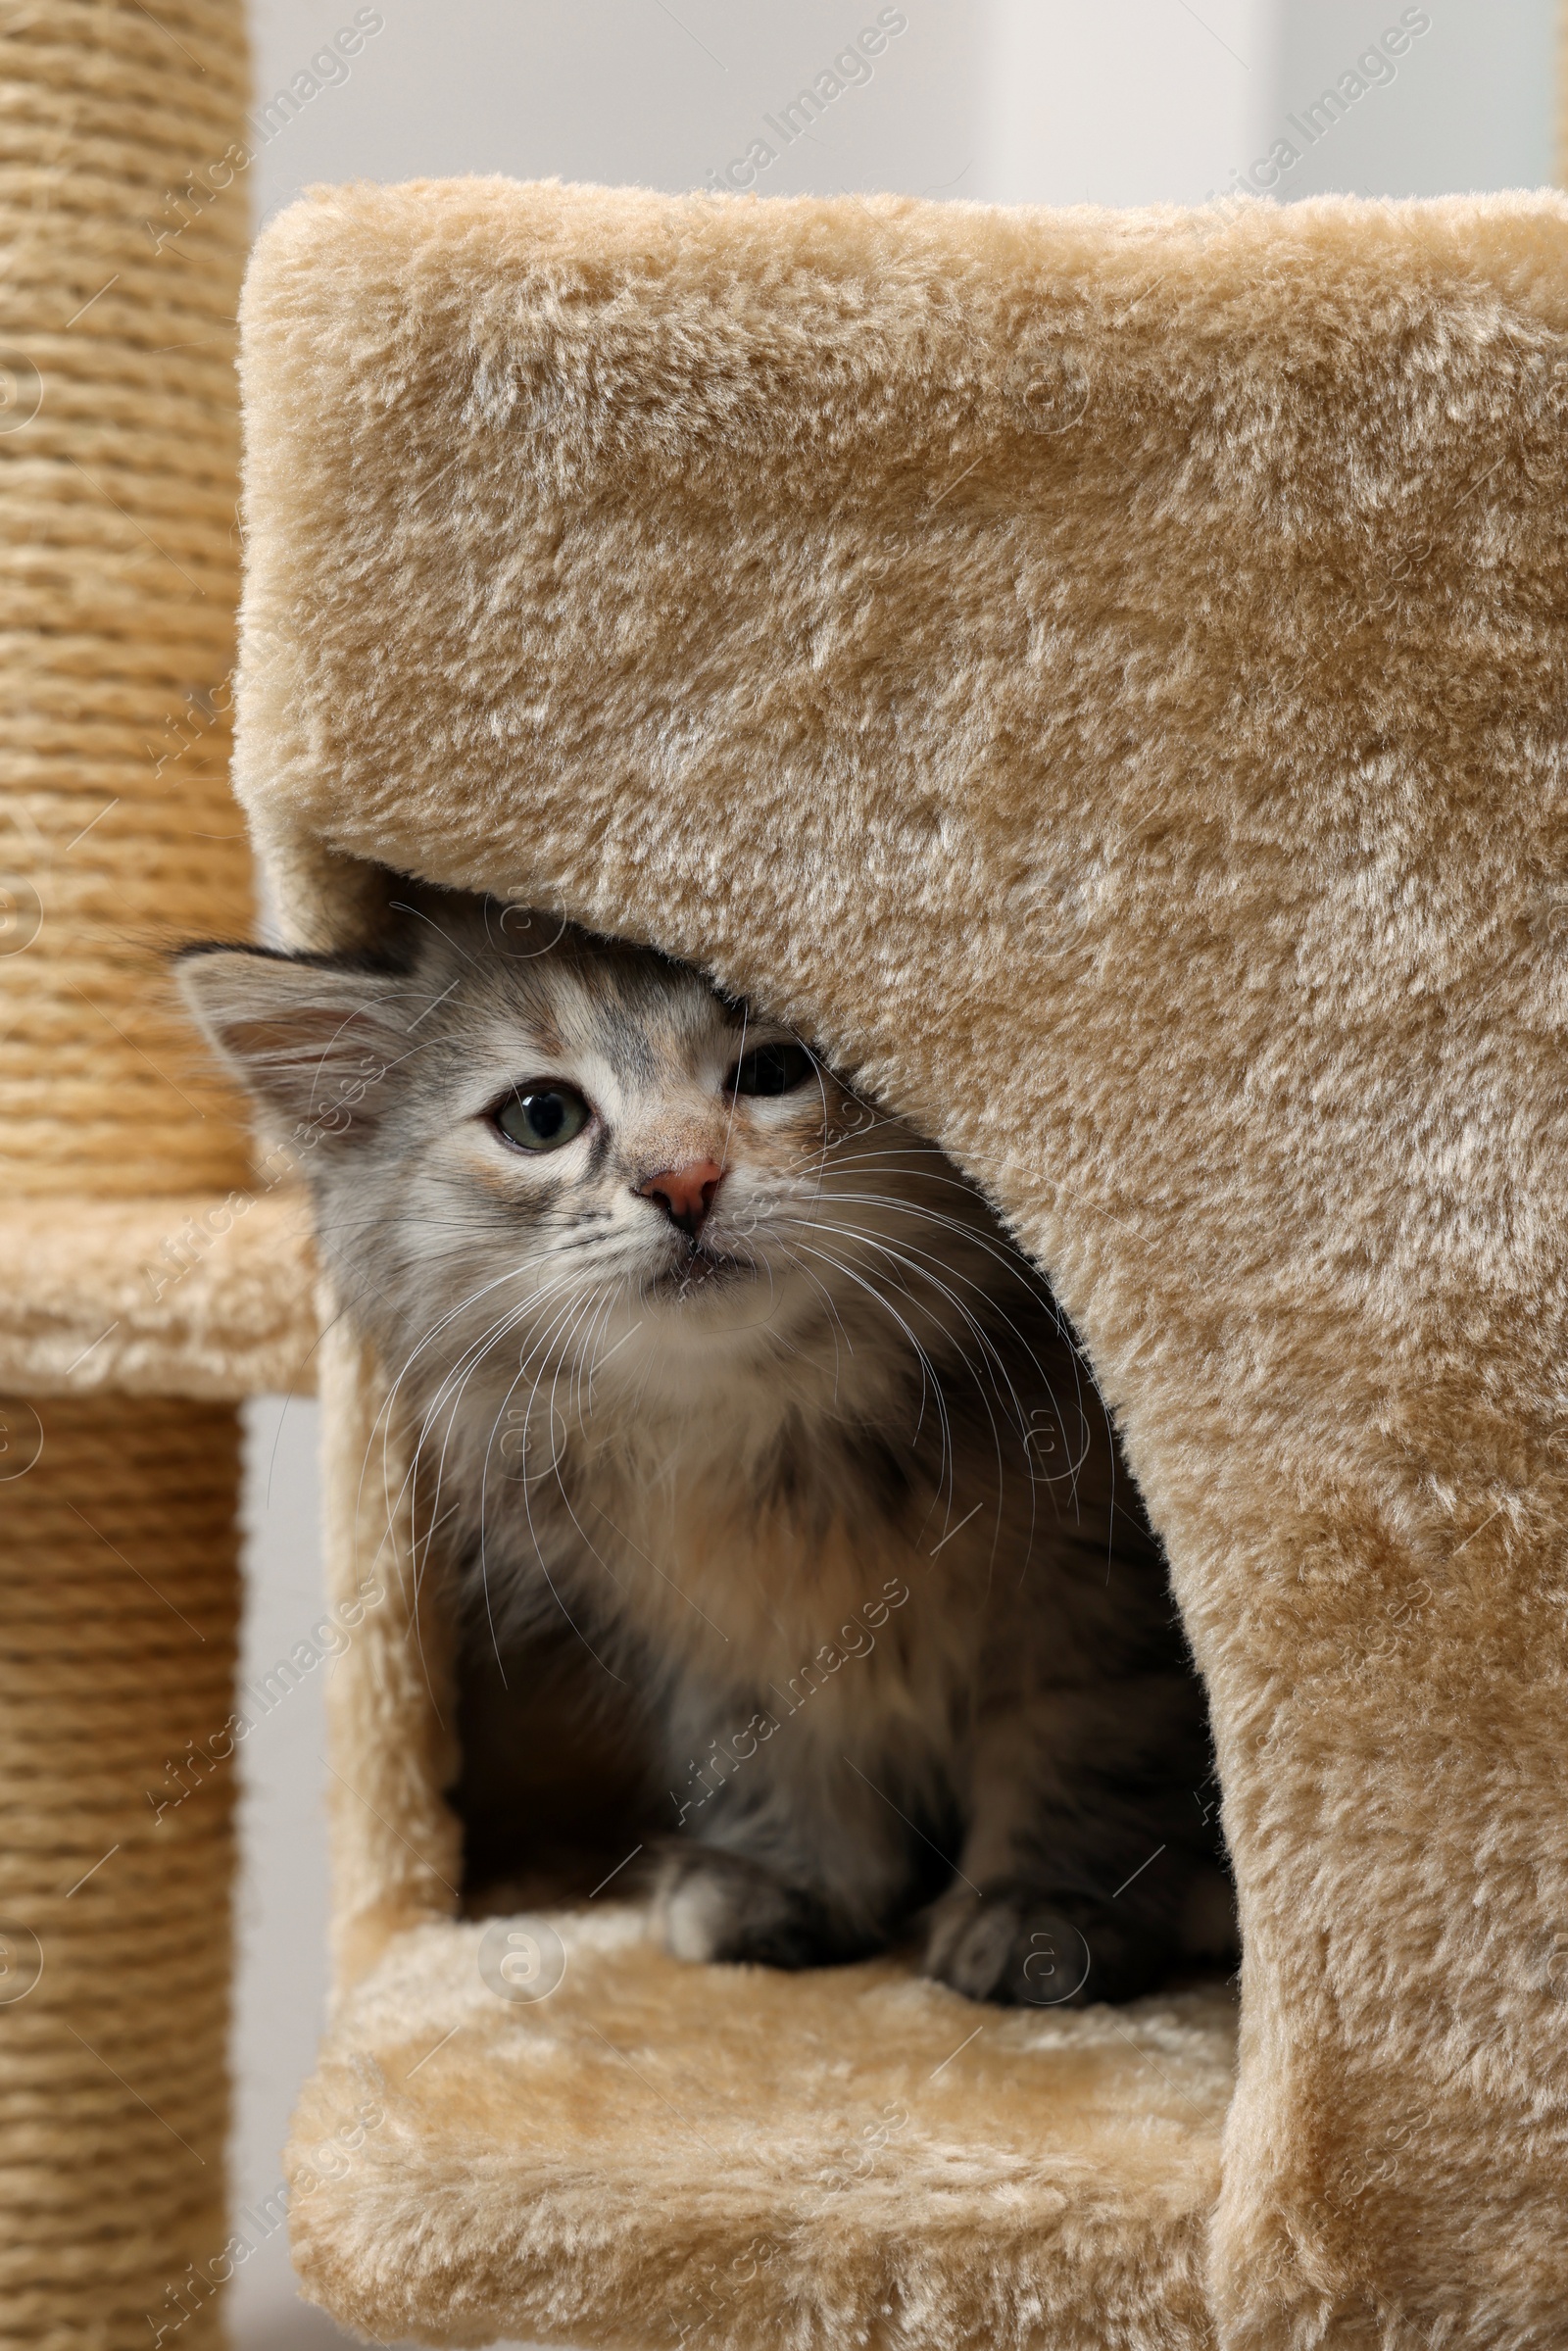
[(625, 90), (1124, 102), (1470, 106), (1006, 100), (281, 1981)]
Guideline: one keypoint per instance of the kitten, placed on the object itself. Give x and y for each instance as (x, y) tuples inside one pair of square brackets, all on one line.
[(736, 1376)]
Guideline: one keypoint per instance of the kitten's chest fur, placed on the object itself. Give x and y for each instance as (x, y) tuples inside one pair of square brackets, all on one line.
[(740, 1538)]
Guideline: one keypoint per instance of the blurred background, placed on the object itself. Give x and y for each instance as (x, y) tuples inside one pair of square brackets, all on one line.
[(989, 101)]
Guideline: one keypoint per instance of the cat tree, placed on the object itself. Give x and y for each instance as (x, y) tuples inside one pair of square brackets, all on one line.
[(1101, 674)]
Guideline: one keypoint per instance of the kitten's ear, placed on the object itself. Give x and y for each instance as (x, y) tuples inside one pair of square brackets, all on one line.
[(313, 1039)]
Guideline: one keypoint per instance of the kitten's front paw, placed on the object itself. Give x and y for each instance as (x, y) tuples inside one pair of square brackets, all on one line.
[(712, 1905), (1023, 1944)]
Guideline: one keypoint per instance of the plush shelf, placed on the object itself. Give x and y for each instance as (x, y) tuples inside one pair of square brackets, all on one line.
[(658, 2153), (207, 1294)]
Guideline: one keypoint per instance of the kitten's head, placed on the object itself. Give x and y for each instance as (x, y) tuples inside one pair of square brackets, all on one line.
[(519, 1136)]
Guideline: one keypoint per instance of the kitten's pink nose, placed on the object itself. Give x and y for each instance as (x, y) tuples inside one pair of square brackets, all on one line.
[(687, 1192)]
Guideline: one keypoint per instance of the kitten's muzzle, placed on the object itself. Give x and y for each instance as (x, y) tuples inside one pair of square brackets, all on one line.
[(685, 1193)]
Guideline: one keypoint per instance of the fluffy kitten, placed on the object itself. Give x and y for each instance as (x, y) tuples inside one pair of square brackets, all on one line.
[(736, 1376)]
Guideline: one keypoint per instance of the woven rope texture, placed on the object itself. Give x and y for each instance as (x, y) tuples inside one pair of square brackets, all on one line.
[(118, 582), (118, 560), (116, 1661)]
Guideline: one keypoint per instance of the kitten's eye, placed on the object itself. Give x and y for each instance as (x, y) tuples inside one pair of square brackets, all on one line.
[(772, 1070), (541, 1118)]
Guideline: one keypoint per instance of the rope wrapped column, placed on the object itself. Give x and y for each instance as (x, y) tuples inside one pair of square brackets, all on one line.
[(116, 1662), (125, 219)]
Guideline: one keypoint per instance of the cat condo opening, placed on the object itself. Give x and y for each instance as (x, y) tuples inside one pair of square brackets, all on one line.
[(722, 1380), (993, 642)]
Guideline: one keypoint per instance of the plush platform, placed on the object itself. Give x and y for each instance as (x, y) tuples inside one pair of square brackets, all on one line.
[(654, 2153), (199, 1294)]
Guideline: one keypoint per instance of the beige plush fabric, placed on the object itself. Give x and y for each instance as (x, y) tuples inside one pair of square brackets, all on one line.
[(1103, 675), (396, 1851), (726, 2155), (201, 1295)]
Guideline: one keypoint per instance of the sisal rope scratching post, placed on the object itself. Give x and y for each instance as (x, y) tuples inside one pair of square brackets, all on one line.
[(116, 1661), (119, 1600)]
